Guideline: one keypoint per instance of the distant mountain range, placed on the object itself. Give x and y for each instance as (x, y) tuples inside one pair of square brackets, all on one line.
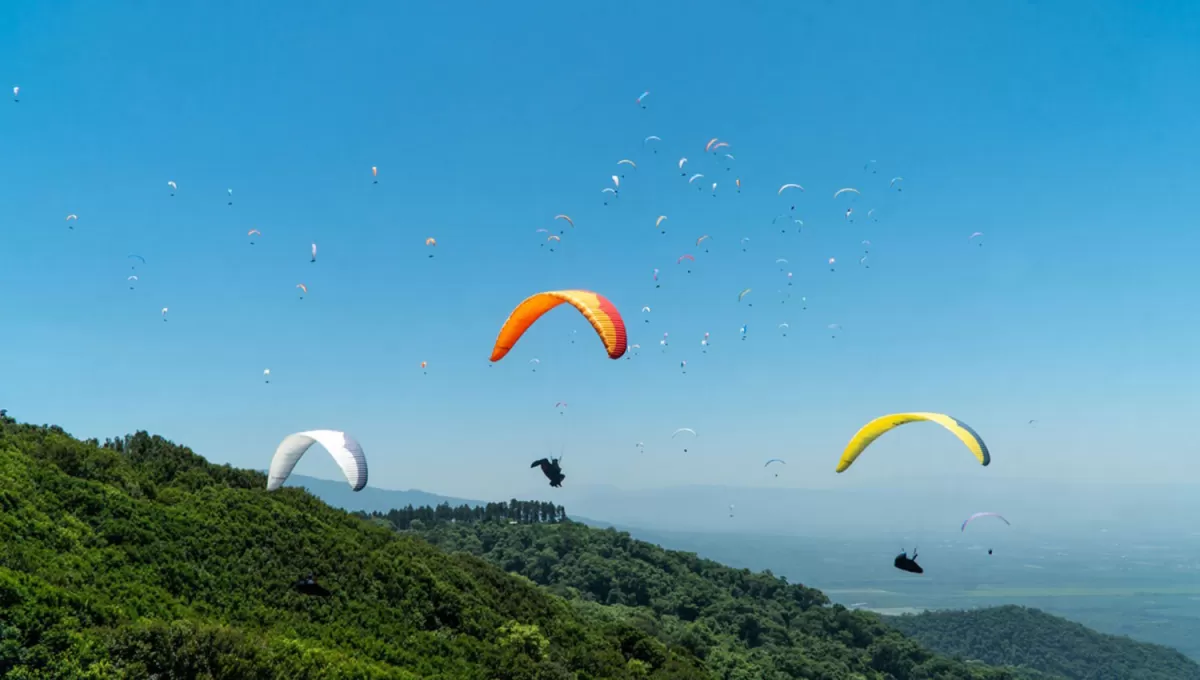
[(371, 499)]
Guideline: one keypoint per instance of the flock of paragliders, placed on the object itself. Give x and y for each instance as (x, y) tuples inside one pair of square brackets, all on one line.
[(609, 326)]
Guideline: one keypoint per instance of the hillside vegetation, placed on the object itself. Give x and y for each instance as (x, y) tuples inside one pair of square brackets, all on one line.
[(138, 559), (1030, 638), (745, 626), (135, 558)]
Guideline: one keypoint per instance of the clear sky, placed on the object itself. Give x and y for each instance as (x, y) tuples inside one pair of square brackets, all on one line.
[(1065, 132)]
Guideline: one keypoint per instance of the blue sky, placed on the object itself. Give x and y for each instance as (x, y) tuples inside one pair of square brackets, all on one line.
[(1063, 133)]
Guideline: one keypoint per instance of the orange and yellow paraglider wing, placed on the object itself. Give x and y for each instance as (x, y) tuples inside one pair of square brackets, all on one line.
[(601, 313)]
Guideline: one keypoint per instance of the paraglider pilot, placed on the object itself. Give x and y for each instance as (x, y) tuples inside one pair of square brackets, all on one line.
[(551, 469), (905, 563), (309, 586)]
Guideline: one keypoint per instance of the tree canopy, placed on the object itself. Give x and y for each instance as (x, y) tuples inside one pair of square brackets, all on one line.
[(1033, 639)]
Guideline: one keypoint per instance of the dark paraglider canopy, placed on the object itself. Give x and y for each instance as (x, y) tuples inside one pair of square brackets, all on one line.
[(905, 563), (551, 469), (309, 586)]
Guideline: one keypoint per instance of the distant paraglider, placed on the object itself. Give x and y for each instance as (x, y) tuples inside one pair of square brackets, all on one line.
[(983, 514), (683, 430)]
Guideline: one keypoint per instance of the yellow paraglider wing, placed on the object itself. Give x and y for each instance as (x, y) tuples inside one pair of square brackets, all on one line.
[(874, 429)]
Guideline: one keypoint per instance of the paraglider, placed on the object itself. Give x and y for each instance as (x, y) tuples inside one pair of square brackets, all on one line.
[(893, 183), (708, 147), (646, 310), (267, 375), (173, 186), (743, 294), (868, 166), (314, 253), (230, 192), (839, 192), (701, 239), (251, 234), (883, 424), (309, 586), (744, 327), (835, 327), (430, 242), (783, 327), (627, 162), (682, 161), (135, 257), (551, 469), (905, 563), (131, 278), (973, 236), (654, 138), (303, 288), (832, 261), (775, 460), (642, 97), (346, 452), (566, 219), (683, 430), (683, 365), (983, 514), (374, 174), (658, 222), (534, 362), (601, 313), (17, 94), (424, 365), (164, 313), (690, 258), (70, 218)]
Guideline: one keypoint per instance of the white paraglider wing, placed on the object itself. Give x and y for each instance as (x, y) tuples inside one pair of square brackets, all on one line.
[(345, 450)]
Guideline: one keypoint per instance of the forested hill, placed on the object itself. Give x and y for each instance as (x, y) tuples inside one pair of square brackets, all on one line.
[(136, 558), (1031, 638), (745, 626)]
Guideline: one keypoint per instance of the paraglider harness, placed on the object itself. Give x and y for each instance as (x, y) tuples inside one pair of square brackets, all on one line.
[(905, 563)]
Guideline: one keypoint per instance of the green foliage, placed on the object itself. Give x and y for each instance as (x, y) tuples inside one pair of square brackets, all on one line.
[(1032, 639), (136, 558), (745, 626)]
